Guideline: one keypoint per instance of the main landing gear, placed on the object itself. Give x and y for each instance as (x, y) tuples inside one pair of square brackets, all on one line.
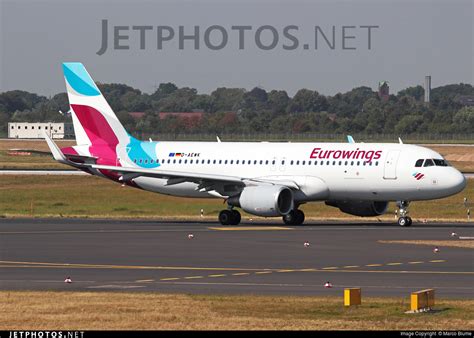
[(404, 220), (294, 217), (229, 217)]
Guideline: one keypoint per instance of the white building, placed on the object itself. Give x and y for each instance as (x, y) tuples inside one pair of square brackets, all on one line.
[(57, 130)]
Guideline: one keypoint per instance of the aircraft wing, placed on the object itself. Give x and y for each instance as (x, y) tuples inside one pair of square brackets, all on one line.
[(182, 176), (189, 176), (174, 177)]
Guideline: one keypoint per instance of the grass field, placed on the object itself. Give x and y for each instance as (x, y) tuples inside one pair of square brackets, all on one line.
[(153, 311), (462, 157), (90, 196)]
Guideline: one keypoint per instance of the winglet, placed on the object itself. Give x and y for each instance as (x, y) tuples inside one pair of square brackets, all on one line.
[(350, 139), (57, 153)]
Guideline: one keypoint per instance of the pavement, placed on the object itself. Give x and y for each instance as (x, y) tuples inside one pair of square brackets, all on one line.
[(264, 258)]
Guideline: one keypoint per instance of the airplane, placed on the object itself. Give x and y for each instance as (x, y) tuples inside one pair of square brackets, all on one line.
[(269, 179)]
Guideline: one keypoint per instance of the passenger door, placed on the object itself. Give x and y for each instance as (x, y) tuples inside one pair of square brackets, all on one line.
[(390, 166)]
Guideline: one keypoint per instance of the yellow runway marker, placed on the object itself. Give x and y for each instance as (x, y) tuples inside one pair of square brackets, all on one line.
[(330, 268), (193, 277), (374, 265), (419, 262), (263, 272), (216, 275), (438, 261), (250, 228), (145, 280), (138, 267), (169, 278), (352, 266), (394, 263), (307, 270)]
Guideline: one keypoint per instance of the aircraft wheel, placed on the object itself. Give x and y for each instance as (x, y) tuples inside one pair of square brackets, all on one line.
[(299, 217), (236, 217), (403, 221), (409, 221), (294, 217), (225, 217)]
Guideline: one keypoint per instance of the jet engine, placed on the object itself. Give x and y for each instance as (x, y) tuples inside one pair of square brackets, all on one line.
[(264, 200), (360, 208)]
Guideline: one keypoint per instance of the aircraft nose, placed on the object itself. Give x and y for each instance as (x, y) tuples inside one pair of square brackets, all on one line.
[(457, 182)]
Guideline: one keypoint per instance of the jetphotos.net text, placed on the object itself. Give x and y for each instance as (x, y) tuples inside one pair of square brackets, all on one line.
[(237, 37)]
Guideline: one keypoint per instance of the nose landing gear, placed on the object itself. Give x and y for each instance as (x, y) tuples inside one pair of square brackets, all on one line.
[(404, 220)]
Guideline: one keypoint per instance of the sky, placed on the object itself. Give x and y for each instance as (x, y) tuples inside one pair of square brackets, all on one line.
[(408, 40)]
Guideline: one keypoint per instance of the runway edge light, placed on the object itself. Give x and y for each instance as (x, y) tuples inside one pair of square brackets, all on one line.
[(352, 296)]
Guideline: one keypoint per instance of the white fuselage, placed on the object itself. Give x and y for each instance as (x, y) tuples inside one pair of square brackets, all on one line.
[(323, 171)]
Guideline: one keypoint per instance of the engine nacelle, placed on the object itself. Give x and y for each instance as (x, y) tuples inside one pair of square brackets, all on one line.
[(360, 208), (264, 200)]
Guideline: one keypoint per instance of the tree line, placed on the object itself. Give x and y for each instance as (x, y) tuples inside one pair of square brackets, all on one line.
[(236, 110)]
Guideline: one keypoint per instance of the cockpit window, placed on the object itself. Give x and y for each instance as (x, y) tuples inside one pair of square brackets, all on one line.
[(419, 163), (441, 163), (429, 162)]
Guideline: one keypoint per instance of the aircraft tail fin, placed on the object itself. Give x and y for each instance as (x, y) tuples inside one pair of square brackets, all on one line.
[(95, 123)]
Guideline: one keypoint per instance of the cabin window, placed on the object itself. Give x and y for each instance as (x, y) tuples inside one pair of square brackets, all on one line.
[(208, 161), (179, 161), (174, 161), (185, 161), (419, 163), (266, 162), (135, 161), (291, 162), (225, 162), (297, 162), (283, 162), (273, 162), (231, 161)]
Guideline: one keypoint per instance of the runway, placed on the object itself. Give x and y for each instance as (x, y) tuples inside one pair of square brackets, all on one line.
[(266, 258)]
